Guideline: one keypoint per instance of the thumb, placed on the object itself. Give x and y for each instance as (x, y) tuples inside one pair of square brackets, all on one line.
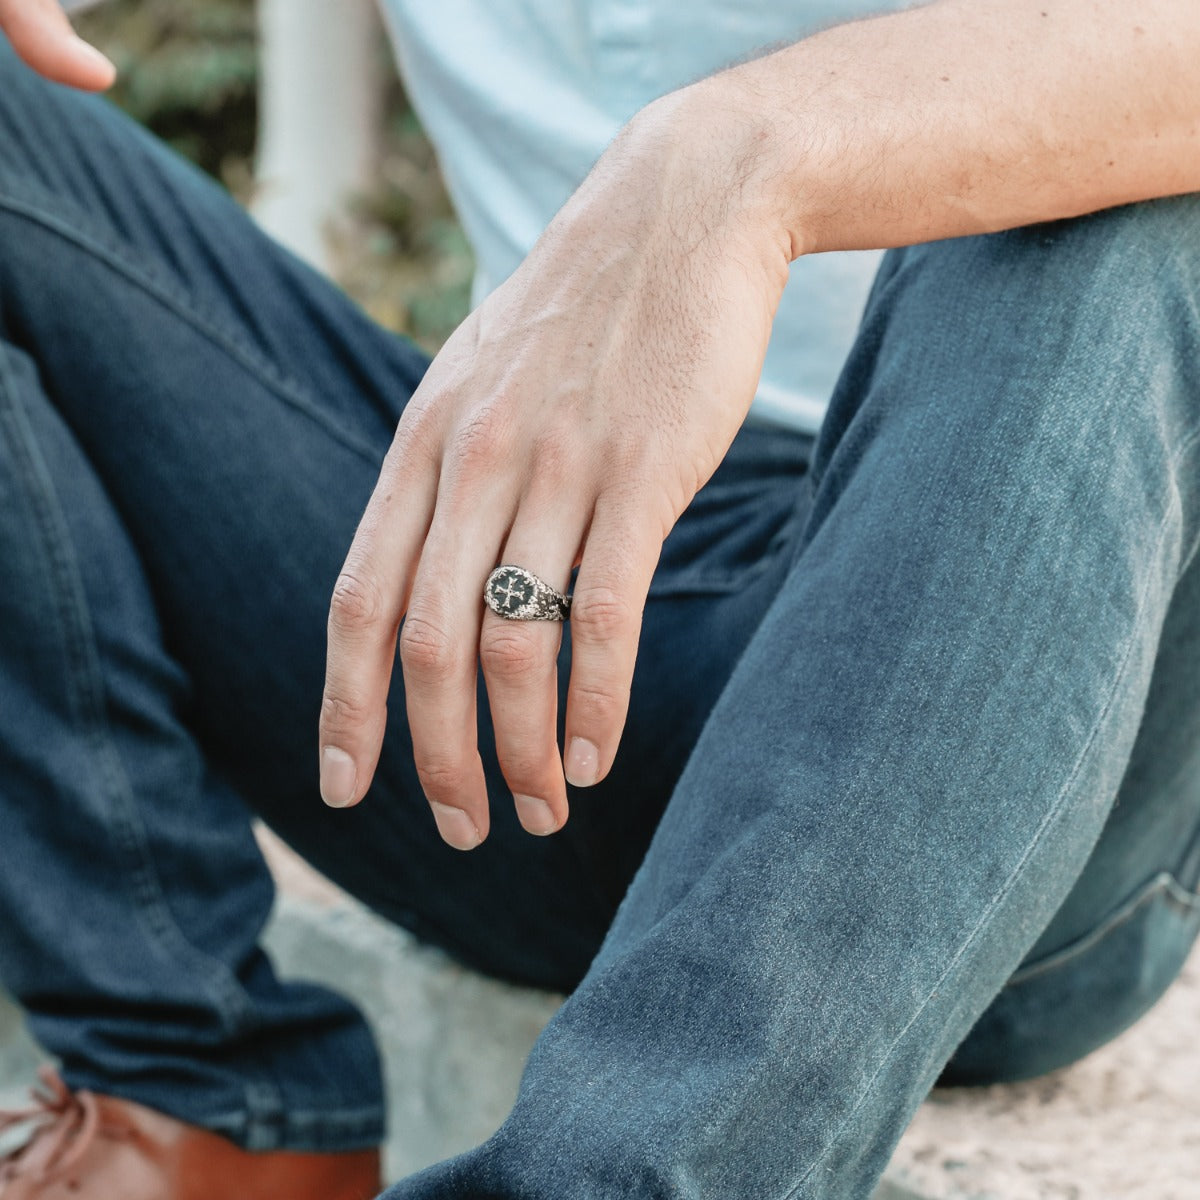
[(41, 34)]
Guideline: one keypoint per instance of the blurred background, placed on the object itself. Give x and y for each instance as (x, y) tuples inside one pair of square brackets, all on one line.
[(296, 108)]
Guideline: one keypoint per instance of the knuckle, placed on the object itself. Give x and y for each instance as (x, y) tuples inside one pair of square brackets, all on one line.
[(427, 650), (342, 713), (522, 764), (356, 603), (598, 706), (552, 460), (441, 778), (509, 652), (417, 440), (482, 440), (602, 614)]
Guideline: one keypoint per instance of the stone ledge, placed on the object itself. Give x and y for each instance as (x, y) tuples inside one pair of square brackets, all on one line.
[(453, 1042)]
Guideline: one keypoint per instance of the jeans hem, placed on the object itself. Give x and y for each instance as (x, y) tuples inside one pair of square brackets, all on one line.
[(313, 1131)]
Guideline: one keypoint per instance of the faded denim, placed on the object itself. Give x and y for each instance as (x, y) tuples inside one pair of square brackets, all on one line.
[(909, 787)]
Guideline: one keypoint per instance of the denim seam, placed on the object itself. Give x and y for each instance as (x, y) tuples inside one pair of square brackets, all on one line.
[(182, 306), (1048, 821), (1185, 447), (1162, 883), (318, 1117), (308, 1129), (86, 692)]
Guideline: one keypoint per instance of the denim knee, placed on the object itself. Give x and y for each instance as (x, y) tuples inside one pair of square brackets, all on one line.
[(1073, 342)]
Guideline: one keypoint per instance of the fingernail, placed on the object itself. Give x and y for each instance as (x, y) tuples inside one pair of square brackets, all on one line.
[(456, 828), (339, 777), (535, 815), (583, 763)]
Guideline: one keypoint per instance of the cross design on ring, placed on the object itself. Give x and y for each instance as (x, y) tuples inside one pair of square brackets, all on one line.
[(519, 595), (510, 592)]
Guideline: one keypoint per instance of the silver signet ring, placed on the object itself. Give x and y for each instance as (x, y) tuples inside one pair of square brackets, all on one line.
[(519, 595)]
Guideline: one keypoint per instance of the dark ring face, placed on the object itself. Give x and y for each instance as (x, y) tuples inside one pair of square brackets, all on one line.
[(509, 590), (519, 595)]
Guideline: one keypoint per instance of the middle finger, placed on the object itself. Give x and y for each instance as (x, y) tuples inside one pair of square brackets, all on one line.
[(438, 648)]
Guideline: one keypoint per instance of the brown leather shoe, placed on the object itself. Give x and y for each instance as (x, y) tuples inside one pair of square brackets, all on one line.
[(89, 1147)]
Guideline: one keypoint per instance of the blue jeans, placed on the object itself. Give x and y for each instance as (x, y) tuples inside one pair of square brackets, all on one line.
[(909, 783)]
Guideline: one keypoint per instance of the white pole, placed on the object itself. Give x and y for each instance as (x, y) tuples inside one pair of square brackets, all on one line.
[(320, 99)]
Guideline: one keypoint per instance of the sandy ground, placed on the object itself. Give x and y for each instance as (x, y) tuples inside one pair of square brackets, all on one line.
[(1123, 1124)]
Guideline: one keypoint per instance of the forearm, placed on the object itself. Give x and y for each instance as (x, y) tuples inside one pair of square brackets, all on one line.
[(964, 116)]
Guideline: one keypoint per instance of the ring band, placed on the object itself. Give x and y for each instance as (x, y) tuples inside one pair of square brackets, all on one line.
[(519, 595)]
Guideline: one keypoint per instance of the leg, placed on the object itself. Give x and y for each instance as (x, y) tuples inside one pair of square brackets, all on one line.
[(132, 926), (133, 896), (917, 754)]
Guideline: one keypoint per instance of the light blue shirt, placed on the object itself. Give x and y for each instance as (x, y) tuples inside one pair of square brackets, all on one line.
[(522, 96)]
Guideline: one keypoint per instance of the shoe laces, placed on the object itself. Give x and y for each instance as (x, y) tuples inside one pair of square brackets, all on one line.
[(63, 1124)]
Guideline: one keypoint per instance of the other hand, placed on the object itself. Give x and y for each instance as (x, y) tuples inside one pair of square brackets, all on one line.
[(41, 35)]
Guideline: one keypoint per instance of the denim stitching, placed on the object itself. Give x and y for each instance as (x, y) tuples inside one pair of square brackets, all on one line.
[(1051, 818), (1164, 881), (1185, 447), (181, 305)]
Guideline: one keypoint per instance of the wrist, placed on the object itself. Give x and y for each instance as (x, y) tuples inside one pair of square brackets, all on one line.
[(716, 153), (763, 153)]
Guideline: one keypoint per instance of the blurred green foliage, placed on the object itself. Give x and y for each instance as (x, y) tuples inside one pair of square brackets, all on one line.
[(188, 70)]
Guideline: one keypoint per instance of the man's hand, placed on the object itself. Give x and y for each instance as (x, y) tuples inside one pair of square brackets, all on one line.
[(570, 420), (41, 34)]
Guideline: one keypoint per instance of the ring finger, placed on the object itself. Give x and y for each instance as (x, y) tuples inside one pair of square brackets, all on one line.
[(519, 665)]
